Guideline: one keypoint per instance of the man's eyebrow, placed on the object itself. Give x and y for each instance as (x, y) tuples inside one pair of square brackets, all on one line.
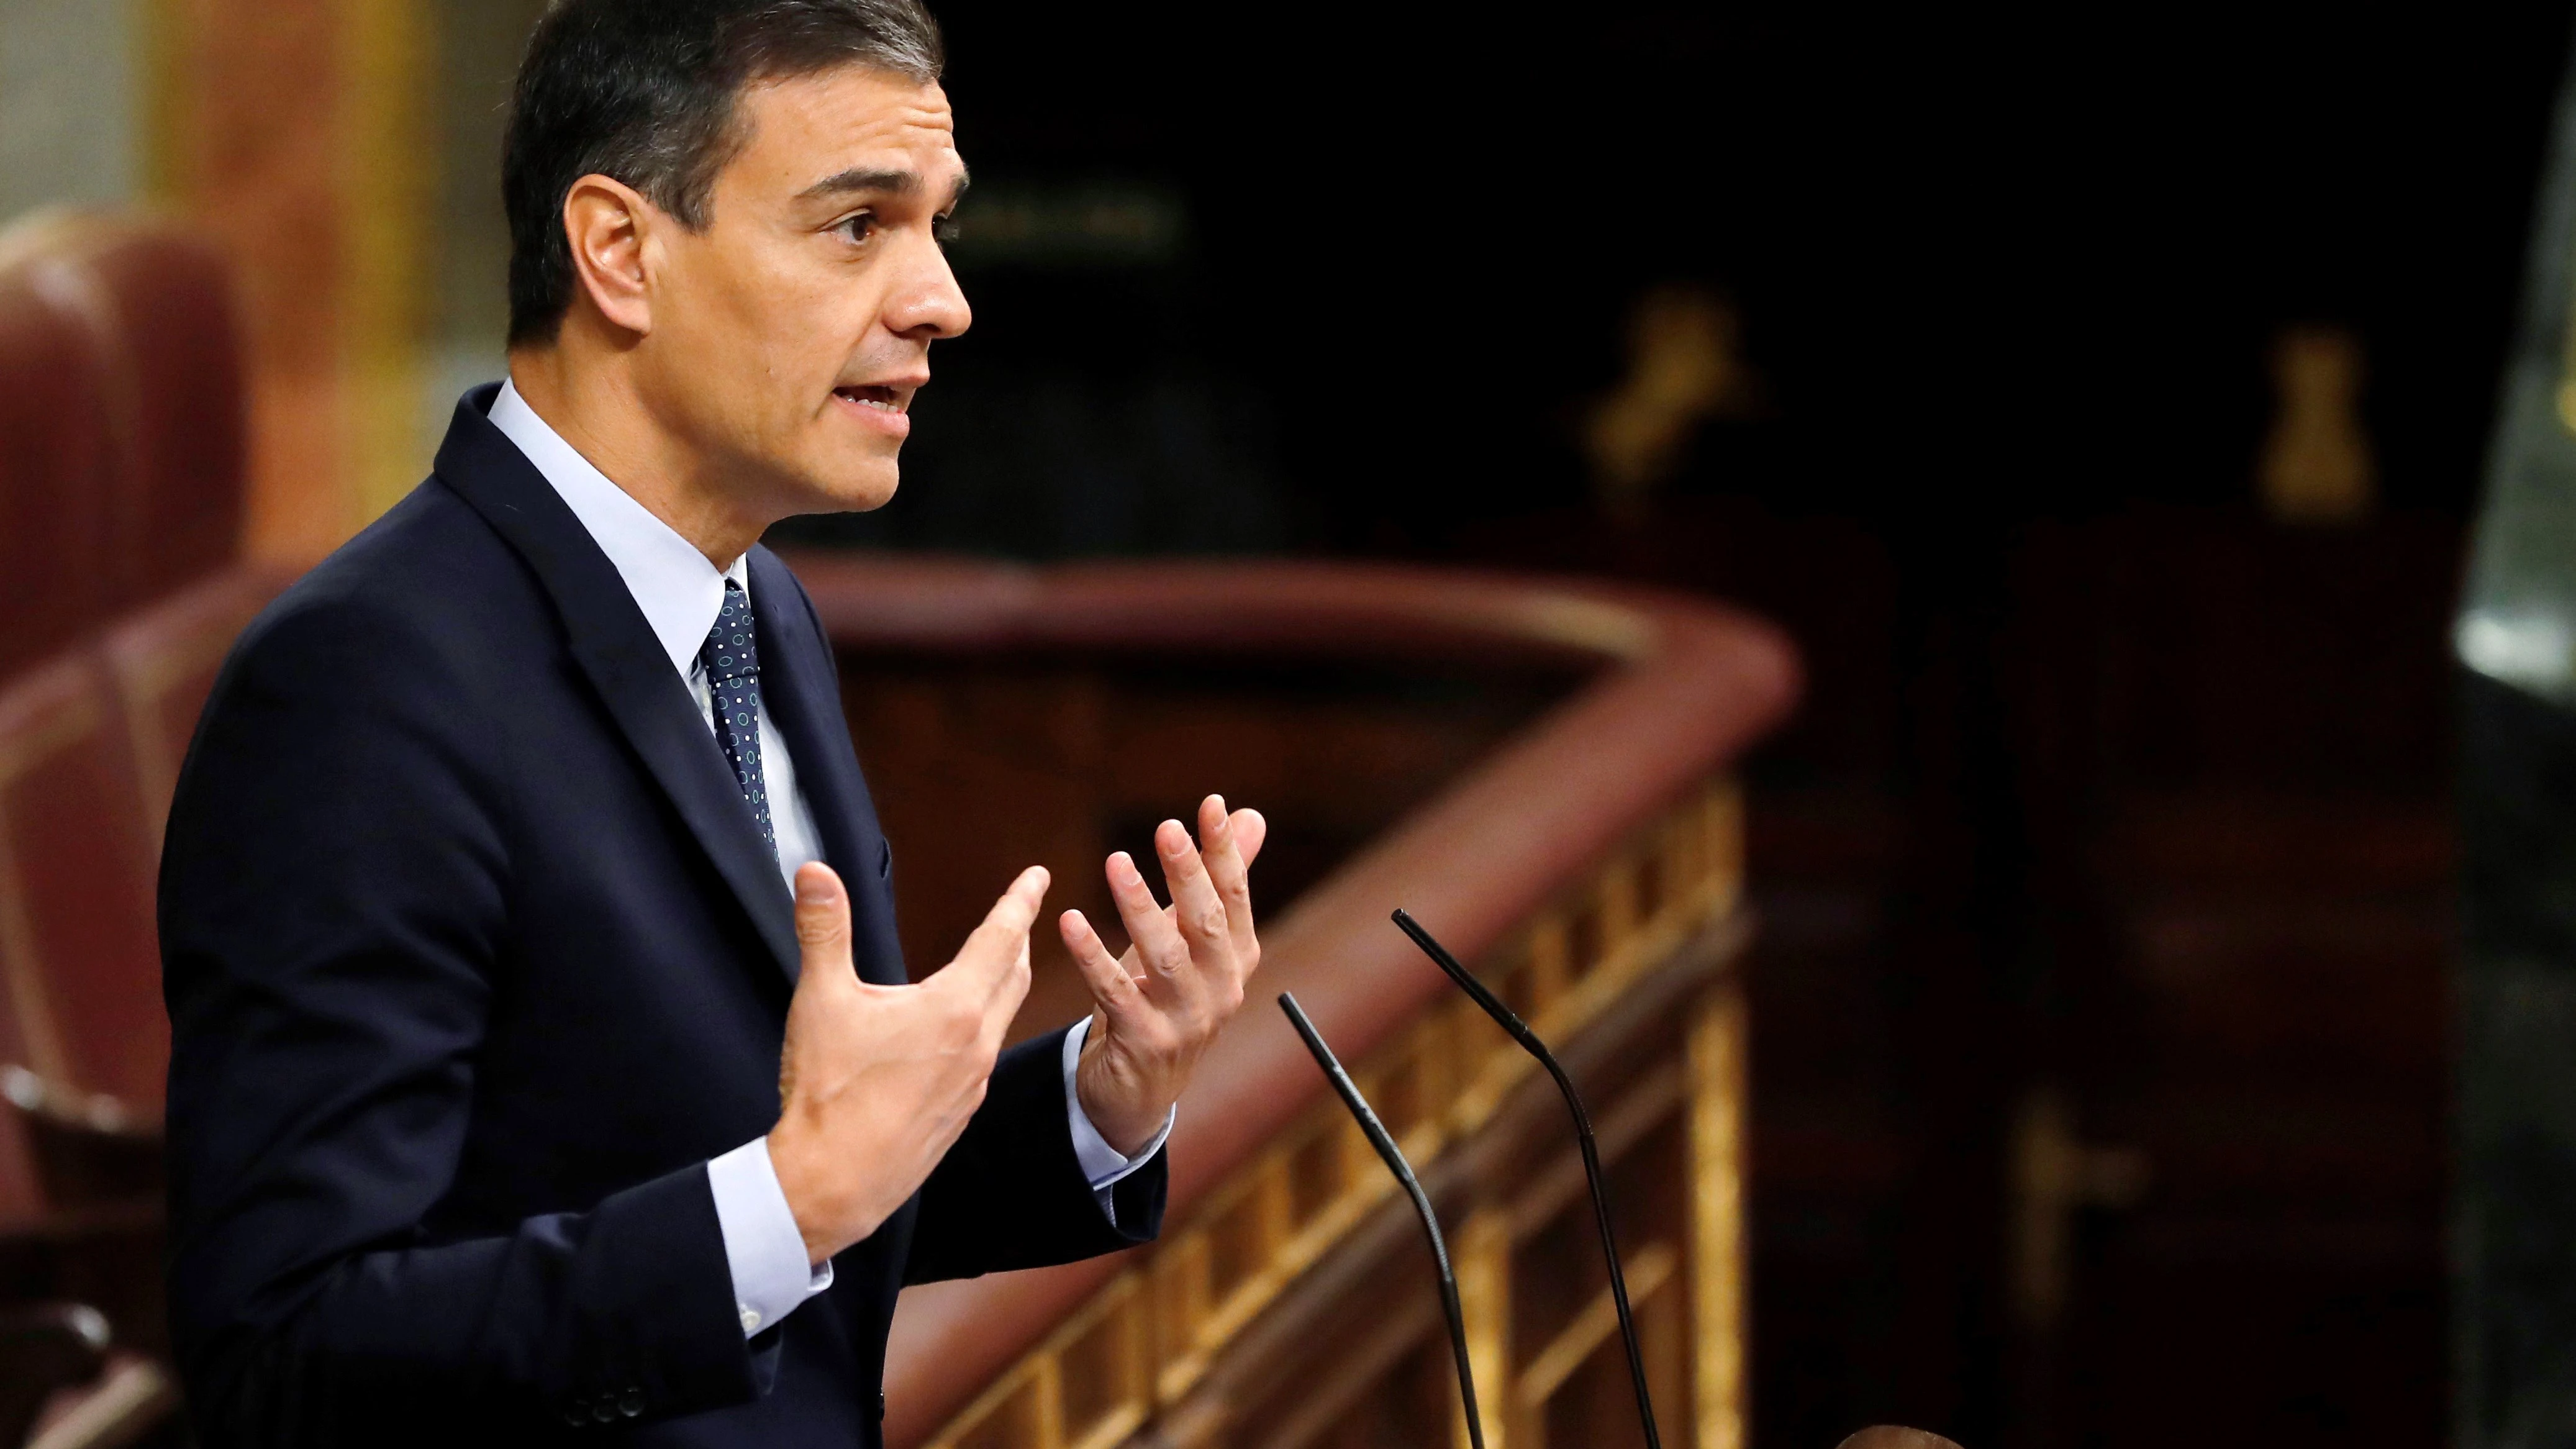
[(890, 182), (858, 178)]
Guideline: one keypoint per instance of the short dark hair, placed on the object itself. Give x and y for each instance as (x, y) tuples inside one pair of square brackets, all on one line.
[(643, 91)]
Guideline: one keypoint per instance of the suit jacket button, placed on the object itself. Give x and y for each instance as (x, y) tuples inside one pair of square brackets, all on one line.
[(605, 1411), (632, 1404), (577, 1413)]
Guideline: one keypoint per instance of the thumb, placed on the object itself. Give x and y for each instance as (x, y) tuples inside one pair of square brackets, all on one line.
[(822, 929), (1001, 943)]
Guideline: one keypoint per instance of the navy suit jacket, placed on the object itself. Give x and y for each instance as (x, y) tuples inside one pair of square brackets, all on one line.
[(474, 957)]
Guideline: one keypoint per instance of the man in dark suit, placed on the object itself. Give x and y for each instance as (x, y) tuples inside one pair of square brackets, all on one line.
[(544, 1064)]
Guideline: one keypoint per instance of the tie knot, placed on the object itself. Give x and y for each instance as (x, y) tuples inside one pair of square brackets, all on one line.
[(731, 652)]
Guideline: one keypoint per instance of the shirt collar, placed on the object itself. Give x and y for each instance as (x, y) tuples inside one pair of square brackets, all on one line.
[(680, 593)]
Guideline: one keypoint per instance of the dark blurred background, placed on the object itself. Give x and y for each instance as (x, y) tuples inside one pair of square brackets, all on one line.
[(1985, 268), (2099, 398)]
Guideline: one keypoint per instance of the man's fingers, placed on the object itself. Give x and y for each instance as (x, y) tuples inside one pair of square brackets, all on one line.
[(1109, 981), (822, 928), (1250, 829), (1200, 910), (1158, 940), (1221, 847)]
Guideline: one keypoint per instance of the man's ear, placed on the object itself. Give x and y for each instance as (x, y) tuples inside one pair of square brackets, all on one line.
[(610, 226)]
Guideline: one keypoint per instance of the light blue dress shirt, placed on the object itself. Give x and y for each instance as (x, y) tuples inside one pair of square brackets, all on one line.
[(680, 594)]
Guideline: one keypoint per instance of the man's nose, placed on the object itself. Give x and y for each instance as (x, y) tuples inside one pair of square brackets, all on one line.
[(929, 304)]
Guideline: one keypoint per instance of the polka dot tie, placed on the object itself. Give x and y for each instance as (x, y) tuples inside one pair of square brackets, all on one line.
[(732, 661)]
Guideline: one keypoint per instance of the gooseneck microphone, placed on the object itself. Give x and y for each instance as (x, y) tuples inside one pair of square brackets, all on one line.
[(1510, 1021), (1384, 1142)]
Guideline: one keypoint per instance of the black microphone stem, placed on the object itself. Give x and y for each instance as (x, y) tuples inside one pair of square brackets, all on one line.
[(1384, 1142), (1510, 1021)]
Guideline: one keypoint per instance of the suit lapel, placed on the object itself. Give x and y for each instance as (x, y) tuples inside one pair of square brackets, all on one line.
[(625, 663), (801, 689)]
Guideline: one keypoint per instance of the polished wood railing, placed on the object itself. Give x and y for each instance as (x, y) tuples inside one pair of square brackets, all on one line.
[(1150, 1336), (1590, 867)]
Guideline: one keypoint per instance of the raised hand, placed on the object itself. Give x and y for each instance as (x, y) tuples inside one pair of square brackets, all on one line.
[(1160, 1005), (876, 1082)]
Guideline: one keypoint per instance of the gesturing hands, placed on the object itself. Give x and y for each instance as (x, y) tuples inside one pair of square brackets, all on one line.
[(1159, 1005), (876, 1082)]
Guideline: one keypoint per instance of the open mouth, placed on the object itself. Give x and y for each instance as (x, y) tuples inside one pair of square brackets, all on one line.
[(883, 398)]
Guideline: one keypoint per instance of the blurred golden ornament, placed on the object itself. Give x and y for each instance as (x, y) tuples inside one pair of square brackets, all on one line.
[(2316, 465), (1684, 367)]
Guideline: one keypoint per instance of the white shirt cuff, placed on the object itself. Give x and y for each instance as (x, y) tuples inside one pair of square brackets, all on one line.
[(763, 1246), (1101, 1163)]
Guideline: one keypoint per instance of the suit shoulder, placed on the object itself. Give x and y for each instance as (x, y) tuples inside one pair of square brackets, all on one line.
[(430, 572), (380, 659)]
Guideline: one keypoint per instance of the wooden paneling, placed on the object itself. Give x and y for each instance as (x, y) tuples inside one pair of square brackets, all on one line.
[(292, 136), (2236, 740), (1189, 1327)]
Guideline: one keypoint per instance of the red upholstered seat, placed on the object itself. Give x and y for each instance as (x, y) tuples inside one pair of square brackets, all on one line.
[(164, 661), (78, 956), (90, 747), (121, 463), (160, 305), (121, 412), (121, 470), (54, 471)]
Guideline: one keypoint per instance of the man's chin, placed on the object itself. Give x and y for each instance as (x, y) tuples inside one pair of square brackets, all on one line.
[(862, 489)]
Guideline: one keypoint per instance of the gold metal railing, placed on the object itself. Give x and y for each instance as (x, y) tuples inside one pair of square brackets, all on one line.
[(1147, 1338)]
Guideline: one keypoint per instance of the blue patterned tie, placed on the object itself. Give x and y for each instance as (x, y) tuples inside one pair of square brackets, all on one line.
[(732, 660)]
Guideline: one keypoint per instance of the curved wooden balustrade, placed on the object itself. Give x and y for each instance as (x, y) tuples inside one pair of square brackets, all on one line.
[(1594, 857)]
